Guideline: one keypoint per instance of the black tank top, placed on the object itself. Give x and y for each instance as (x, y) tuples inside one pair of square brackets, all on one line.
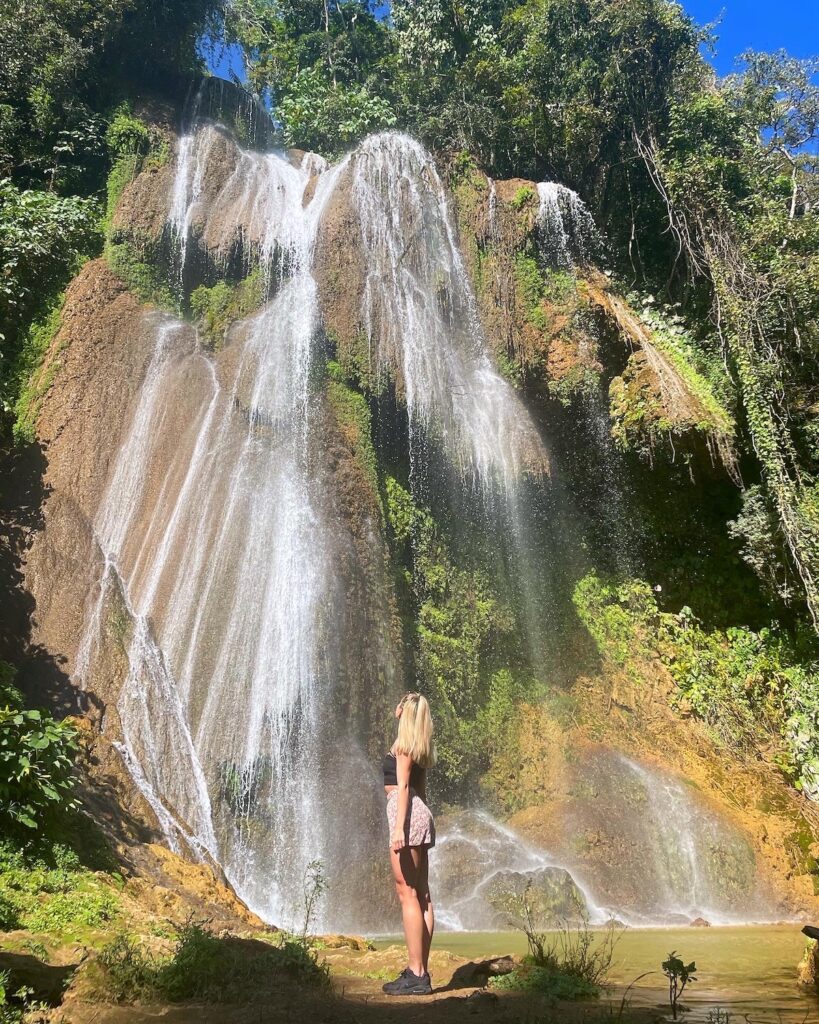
[(391, 772)]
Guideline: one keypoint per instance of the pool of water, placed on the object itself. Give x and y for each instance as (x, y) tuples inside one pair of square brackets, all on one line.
[(745, 970)]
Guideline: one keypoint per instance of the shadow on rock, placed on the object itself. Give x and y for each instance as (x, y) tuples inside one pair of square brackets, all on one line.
[(477, 973), (22, 495), (46, 984)]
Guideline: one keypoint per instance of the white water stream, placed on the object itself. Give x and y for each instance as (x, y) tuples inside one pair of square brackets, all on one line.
[(422, 320), (220, 551), (215, 532)]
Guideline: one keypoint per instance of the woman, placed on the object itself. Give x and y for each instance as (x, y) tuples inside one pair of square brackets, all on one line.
[(412, 833)]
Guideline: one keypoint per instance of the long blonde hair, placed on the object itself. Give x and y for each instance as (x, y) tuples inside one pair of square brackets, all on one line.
[(415, 730)]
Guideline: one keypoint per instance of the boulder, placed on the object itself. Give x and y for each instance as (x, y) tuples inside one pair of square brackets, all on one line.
[(476, 973)]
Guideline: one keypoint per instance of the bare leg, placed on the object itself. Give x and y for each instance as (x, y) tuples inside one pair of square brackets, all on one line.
[(405, 872), (426, 902)]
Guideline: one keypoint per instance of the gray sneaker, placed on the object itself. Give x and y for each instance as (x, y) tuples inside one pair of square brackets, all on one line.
[(409, 984)]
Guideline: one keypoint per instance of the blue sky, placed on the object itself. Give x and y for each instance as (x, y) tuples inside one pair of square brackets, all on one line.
[(792, 25)]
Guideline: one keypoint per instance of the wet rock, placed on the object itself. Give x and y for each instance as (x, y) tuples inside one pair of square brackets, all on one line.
[(550, 893), (700, 922), (643, 841), (482, 868)]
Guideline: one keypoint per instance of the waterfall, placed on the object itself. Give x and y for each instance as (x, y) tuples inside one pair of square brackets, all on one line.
[(220, 541), (567, 232), (422, 321), (478, 860), (423, 325), (693, 858), (216, 538)]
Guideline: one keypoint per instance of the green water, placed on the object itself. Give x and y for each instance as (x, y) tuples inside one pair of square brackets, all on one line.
[(745, 970)]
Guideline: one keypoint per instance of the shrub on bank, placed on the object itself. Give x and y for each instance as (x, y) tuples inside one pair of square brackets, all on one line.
[(50, 890), (36, 760), (208, 967), (551, 981)]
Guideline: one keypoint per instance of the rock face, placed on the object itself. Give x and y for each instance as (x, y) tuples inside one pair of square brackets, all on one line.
[(214, 564), (176, 477)]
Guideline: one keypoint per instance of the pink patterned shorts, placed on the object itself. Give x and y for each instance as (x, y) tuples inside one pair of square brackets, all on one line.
[(420, 829)]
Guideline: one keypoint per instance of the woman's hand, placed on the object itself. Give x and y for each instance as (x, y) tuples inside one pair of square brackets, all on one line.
[(397, 841)]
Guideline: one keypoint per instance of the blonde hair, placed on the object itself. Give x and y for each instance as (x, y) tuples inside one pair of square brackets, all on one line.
[(415, 730)]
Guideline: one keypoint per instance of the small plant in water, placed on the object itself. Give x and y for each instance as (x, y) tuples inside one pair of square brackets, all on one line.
[(679, 974), (570, 961)]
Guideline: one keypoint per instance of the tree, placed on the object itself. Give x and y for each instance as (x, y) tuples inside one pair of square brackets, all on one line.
[(319, 63)]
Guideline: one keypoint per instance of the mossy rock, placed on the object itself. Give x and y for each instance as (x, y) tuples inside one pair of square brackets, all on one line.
[(214, 309)]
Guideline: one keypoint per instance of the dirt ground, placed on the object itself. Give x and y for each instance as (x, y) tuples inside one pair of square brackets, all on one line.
[(356, 998)]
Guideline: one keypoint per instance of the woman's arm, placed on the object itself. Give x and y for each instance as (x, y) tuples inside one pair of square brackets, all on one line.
[(403, 767)]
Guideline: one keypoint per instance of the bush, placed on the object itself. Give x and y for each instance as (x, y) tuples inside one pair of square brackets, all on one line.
[(569, 962), (36, 761), (47, 889), (44, 238), (550, 981), (204, 966)]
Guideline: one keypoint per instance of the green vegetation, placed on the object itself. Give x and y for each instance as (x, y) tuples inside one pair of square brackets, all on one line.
[(684, 398), (16, 1006), (36, 760), (206, 967), (525, 196), (550, 981), (30, 384), (133, 146), (317, 64), (330, 119), (464, 638), (679, 974), (351, 364), (143, 276), (353, 416), (529, 281), (46, 888), (216, 308), (748, 686), (44, 238), (50, 855)]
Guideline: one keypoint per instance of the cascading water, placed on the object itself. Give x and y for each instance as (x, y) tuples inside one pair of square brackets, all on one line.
[(695, 862), (422, 321), (423, 326), (222, 557), (218, 538), (479, 862), (567, 232)]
